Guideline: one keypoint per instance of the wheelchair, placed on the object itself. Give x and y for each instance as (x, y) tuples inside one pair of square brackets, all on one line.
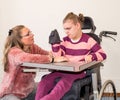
[(90, 87)]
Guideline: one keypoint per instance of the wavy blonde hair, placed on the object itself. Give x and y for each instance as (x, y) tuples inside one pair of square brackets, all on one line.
[(13, 39)]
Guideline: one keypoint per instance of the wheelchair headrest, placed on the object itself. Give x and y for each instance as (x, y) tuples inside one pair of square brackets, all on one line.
[(88, 24)]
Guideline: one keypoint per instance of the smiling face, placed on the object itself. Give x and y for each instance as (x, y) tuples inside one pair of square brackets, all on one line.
[(27, 37)]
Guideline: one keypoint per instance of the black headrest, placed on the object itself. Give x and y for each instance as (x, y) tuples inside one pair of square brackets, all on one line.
[(88, 24)]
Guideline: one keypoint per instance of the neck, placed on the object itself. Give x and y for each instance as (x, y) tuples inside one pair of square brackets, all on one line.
[(78, 36), (26, 48)]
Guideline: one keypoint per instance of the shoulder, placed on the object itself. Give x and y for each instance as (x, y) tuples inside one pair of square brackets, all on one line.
[(66, 38), (15, 50), (85, 37)]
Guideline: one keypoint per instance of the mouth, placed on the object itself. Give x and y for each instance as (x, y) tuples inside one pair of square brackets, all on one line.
[(32, 40)]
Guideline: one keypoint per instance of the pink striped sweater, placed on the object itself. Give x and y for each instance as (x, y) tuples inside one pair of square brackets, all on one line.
[(76, 51)]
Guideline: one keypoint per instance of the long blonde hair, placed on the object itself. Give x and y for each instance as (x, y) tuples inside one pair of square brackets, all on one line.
[(13, 39)]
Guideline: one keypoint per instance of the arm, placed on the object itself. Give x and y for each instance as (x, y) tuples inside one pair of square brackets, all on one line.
[(17, 56), (58, 49), (35, 49), (54, 40), (96, 53)]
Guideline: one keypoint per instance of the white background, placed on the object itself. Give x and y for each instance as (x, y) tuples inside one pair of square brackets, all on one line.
[(42, 16)]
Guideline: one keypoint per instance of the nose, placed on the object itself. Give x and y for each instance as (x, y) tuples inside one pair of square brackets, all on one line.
[(31, 34), (67, 32)]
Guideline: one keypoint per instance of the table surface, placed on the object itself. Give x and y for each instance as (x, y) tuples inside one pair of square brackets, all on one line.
[(62, 66)]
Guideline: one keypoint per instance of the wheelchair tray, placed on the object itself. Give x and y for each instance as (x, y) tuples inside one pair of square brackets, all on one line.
[(62, 66)]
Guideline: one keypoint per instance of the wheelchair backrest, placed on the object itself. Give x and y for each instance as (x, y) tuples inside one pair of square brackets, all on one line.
[(88, 24)]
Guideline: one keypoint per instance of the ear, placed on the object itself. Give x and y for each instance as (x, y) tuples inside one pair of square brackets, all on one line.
[(78, 25)]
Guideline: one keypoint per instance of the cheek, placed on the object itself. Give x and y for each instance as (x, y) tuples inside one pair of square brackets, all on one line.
[(72, 36), (29, 41), (25, 41)]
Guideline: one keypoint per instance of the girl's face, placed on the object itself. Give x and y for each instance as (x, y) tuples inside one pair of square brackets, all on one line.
[(71, 29), (27, 37)]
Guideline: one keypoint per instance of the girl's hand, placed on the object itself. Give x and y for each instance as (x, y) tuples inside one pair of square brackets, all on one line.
[(60, 59), (88, 58)]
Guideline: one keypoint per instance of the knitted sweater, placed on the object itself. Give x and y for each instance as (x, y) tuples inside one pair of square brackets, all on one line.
[(16, 81), (76, 51)]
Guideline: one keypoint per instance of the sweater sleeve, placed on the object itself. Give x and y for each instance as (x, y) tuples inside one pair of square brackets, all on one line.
[(59, 49), (35, 49), (96, 50), (17, 57)]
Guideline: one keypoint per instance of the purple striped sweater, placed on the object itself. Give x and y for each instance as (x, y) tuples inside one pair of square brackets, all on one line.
[(76, 51)]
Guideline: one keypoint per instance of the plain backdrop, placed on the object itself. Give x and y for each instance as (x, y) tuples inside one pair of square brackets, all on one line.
[(42, 16)]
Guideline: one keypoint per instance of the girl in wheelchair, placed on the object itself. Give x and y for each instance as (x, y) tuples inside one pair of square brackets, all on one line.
[(76, 46)]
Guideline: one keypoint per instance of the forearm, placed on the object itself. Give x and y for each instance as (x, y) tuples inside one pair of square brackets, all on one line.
[(27, 57), (57, 51)]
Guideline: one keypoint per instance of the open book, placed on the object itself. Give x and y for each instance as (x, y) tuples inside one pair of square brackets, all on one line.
[(62, 66)]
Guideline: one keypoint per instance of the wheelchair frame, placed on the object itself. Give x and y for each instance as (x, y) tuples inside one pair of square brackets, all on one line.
[(108, 84), (98, 95)]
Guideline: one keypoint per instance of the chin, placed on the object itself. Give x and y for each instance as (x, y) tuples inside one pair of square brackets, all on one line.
[(70, 37), (33, 42)]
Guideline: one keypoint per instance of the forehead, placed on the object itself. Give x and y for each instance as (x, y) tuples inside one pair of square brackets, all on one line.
[(68, 23), (24, 30)]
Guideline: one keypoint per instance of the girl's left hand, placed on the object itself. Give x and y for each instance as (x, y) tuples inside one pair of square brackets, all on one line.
[(88, 58)]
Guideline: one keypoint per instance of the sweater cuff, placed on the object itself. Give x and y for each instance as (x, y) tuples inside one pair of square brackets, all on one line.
[(94, 57)]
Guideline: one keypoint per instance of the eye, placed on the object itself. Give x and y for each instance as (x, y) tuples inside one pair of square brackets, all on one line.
[(28, 34), (68, 28)]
